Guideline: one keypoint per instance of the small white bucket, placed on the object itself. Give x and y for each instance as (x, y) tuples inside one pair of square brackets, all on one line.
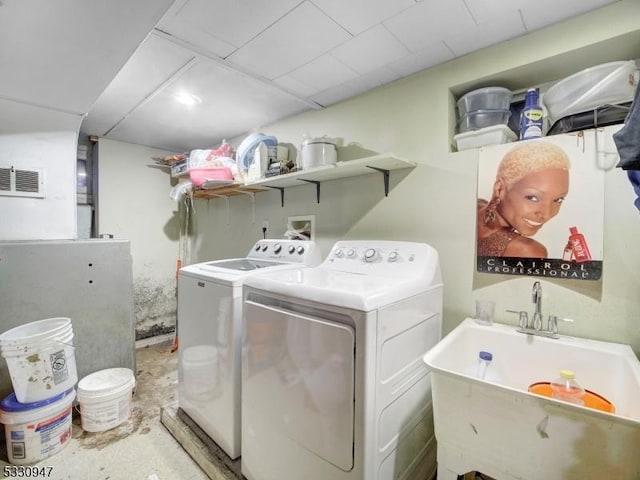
[(40, 357), (35, 431), (105, 398), (200, 367)]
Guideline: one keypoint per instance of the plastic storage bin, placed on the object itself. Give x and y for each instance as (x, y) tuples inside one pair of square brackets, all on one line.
[(493, 135), (489, 98), (483, 118), (608, 83), (200, 175)]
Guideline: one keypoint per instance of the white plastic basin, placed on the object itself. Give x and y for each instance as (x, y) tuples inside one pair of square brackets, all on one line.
[(497, 427)]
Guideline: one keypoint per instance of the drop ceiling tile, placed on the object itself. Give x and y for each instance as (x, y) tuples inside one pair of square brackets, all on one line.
[(232, 104), (358, 85), (428, 22), (340, 92), (548, 12), (290, 84), (323, 72), (428, 57), (378, 77), (302, 35), (507, 26), (155, 62), (200, 40), (370, 50), (360, 15), (484, 11), (62, 54), (232, 21)]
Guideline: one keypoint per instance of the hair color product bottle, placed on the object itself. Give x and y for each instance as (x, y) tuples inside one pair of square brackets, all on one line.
[(532, 116), (580, 248)]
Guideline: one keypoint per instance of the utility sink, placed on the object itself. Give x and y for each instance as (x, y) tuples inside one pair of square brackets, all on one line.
[(498, 427)]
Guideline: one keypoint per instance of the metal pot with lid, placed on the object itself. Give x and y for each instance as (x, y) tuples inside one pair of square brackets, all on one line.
[(318, 152)]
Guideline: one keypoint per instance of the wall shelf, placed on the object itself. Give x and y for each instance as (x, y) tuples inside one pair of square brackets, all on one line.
[(383, 163)]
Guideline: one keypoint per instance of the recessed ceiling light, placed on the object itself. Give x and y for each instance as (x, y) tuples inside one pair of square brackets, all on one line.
[(187, 99)]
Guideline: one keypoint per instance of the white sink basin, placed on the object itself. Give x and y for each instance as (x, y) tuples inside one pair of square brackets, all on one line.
[(495, 426)]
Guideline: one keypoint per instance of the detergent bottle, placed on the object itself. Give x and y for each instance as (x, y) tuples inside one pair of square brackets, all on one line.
[(532, 116)]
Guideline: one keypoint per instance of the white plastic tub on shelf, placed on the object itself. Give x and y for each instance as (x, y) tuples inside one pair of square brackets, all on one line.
[(607, 83), (493, 135)]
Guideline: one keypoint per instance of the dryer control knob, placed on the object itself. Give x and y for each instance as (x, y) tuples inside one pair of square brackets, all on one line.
[(393, 256), (339, 253), (291, 249), (370, 254), (277, 248), (300, 250), (264, 248), (351, 252), (258, 247)]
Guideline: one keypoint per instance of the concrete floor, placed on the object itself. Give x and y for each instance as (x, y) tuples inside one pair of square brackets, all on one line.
[(141, 448), (158, 442)]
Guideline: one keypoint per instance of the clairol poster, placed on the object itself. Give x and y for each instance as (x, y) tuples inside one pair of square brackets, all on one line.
[(540, 208)]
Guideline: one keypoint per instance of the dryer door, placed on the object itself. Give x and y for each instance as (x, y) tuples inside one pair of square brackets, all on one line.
[(299, 372)]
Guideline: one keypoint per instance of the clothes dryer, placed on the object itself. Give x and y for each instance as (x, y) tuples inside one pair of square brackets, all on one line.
[(210, 333), (333, 384)]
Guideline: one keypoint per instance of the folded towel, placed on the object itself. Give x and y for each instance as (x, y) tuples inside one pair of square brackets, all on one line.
[(627, 139)]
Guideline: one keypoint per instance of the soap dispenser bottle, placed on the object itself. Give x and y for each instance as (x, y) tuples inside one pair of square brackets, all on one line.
[(532, 116)]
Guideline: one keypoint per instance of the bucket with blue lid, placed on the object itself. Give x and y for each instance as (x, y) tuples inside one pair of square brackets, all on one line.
[(35, 431)]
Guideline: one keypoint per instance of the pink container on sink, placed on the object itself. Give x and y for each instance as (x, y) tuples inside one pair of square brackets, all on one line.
[(200, 175)]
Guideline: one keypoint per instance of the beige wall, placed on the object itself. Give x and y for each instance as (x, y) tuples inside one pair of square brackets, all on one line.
[(34, 137), (134, 204), (435, 202)]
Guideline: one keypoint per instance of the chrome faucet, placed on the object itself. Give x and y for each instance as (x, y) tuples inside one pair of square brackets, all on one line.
[(536, 297), (535, 327)]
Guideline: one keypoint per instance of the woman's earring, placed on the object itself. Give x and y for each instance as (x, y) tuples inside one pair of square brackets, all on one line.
[(490, 212)]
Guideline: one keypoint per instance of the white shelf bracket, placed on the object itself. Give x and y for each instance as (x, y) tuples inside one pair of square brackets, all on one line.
[(226, 204), (253, 203)]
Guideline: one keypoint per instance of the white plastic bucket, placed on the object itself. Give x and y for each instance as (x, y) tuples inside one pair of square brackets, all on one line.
[(40, 357), (35, 431), (200, 367), (105, 398)]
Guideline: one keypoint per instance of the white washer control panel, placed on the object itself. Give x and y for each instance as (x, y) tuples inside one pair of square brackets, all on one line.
[(380, 257), (294, 251)]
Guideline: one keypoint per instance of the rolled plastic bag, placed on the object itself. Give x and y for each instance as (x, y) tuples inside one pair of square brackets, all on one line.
[(178, 192)]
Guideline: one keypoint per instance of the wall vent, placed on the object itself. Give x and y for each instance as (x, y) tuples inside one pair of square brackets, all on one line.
[(21, 182)]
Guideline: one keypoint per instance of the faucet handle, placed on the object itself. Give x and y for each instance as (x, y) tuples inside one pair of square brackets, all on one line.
[(523, 318), (552, 323)]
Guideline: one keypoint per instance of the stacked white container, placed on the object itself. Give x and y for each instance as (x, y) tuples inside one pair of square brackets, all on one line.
[(482, 118), (37, 416)]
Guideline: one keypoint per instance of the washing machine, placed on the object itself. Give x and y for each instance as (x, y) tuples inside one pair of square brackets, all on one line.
[(333, 383), (210, 333)]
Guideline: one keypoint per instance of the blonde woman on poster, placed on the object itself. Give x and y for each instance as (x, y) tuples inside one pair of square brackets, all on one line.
[(534, 197), (531, 183)]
